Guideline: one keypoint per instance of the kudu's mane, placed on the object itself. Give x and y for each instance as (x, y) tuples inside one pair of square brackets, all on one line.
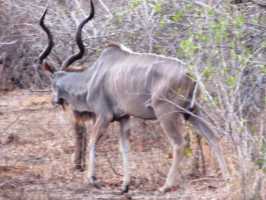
[(110, 45), (119, 46), (75, 69)]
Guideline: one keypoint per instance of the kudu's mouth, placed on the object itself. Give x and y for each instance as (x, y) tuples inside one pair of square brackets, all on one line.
[(59, 102)]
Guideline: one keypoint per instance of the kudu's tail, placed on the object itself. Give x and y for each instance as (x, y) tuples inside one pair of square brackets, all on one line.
[(198, 120)]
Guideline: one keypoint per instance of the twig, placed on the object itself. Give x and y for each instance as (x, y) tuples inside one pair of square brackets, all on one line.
[(112, 168), (30, 110), (8, 43), (11, 124), (106, 8), (40, 90), (256, 25), (260, 3), (205, 179)]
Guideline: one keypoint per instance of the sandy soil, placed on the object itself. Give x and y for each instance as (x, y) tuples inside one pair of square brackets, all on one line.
[(36, 158)]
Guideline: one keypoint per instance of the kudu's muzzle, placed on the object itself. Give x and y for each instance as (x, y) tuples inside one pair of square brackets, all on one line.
[(58, 102)]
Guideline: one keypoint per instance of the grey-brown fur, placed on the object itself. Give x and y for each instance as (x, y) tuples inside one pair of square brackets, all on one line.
[(123, 83)]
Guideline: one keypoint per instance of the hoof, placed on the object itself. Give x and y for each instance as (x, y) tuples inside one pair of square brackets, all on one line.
[(93, 182), (125, 189), (80, 168), (163, 189)]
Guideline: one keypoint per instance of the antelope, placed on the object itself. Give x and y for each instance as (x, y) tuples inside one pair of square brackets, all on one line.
[(122, 84)]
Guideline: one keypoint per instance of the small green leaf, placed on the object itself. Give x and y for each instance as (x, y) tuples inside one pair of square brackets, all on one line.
[(261, 163), (188, 152), (188, 46), (157, 7), (208, 72), (263, 69), (239, 21), (201, 37), (177, 17), (162, 23), (211, 12), (118, 17), (219, 29), (134, 3), (231, 81), (263, 44)]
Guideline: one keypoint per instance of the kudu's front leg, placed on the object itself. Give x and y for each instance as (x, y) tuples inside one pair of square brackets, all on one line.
[(100, 126), (124, 148), (81, 142)]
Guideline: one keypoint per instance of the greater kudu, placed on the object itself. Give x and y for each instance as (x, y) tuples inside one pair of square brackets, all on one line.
[(122, 83)]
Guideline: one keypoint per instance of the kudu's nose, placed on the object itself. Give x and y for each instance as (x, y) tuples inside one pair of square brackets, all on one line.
[(57, 101)]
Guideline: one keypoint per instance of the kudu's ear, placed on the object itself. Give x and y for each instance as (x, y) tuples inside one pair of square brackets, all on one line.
[(49, 68)]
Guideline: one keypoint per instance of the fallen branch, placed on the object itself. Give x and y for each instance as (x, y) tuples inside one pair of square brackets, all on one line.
[(5, 129), (112, 168), (8, 43)]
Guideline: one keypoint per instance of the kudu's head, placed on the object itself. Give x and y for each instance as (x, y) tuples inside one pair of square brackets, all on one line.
[(57, 73)]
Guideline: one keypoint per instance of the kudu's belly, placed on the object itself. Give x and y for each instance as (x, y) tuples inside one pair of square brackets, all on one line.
[(138, 106)]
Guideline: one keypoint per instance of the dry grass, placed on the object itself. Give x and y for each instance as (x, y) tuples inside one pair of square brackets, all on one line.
[(36, 158)]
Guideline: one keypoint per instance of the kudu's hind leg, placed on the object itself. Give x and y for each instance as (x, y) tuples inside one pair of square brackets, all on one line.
[(172, 124), (81, 143), (212, 139), (124, 148)]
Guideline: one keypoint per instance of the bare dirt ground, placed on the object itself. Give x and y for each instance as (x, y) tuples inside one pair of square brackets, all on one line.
[(36, 158)]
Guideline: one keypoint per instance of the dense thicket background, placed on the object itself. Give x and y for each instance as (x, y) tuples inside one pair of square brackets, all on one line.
[(222, 42)]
